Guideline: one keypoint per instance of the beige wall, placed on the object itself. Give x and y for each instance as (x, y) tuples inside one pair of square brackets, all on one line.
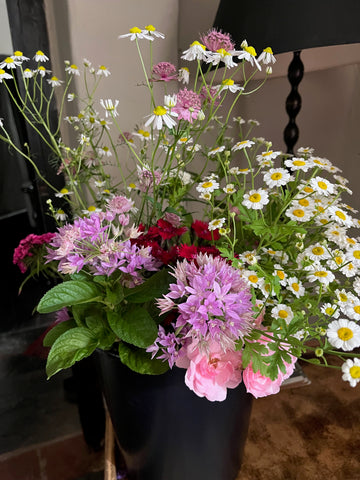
[(330, 116)]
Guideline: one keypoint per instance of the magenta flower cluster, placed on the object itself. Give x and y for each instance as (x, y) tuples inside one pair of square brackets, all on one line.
[(28, 247), (99, 244), (188, 105)]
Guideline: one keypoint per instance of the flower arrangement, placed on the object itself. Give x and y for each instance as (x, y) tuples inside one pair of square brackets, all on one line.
[(207, 252)]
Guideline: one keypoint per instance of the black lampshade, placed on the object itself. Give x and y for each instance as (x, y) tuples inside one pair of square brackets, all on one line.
[(290, 25)]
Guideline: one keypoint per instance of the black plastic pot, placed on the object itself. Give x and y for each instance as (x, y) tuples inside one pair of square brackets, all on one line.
[(165, 432)]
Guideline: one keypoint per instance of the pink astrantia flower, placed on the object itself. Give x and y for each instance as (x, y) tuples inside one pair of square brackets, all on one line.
[(120, 204), (188, 105), (215, 40), (211, 371), (164, 72)]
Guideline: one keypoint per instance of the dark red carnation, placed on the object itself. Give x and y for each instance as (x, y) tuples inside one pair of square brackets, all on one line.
[(202, 231)]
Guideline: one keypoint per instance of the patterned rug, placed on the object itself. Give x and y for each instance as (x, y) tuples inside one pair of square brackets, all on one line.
[(306, 433)]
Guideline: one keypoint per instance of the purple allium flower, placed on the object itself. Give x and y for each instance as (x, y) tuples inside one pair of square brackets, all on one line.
[(164, 72), (215, 40), (188, 105)]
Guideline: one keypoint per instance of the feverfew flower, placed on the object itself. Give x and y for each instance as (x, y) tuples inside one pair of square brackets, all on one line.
[(55, 82), (256, 199), (196, 51), (277, 177), (4, 75), (151, 30), (283, 311), (40, 57), (344, 334), (103, 71), (136, 33), (351, 371), (72, 69), (243, 144), (249, 54), (322, 185), (207, 186), (9, 63), (184, 75), (229, 84), (298, 164), (266, 56), (159, 116), (110, 107)]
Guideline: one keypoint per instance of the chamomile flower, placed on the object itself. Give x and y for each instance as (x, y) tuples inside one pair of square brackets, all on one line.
[(353, 254), (241, 145), (4, 75), (322, 185), (136, 33), (42, 71), (305, 150), (90, 210), (64, 192), (295, 287), (9, 63), (256, 199), (343, 334), (249, 54), (72, 69), (54, 82), (151, 30), (318, 273), (249, 257), (60, 215), (239, 171), (282, 311), (221, 55), (142, 134), (298, 213), (280, 274), (268, 155), (19, 56), (331, 310), (351, 371), (40, 57), (253, 279), (207, 186), (267, 56), (317, 252), (352, 308), (110, 108), (298, 164), (340, 216), (184, 75), (216, 223), (277, 177), (27, 73), (229, 84), (229, 189), (103, 71), (216, 150), (196, 51), (159, 116), (104, 151)]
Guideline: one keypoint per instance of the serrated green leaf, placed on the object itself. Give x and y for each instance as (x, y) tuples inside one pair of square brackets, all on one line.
[(134, 326), (58, 330), (67, 294), (154, 287), (140, 361), (72, 346)]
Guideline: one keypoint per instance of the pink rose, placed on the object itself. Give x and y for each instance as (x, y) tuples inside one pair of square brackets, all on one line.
[(210, 373), (259, 385)]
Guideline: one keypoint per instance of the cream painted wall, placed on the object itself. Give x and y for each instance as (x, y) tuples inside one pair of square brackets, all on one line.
[(5, 37)]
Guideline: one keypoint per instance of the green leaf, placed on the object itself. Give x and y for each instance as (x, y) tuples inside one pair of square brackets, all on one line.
[(154, 287), (140, 361), (67, 294), (100, 329), (56, 331), (134, 326), (72, 346)]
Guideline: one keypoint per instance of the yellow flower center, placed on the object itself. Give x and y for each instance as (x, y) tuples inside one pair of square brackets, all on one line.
[(340, 214), (222, 52), (251, 50), (304, 202), (266, 154), (64, 191), (299, 163), (307, 189), (207, 184), (280, 274), (345, 333), (18, 53), (253, 278), (243, 170), (132, 185), (228, 81), (159, 111), (150, 28), (295, 286), (276, 176), (355, 371), (9, 60), (73, 67), (357, 309), (318, 251), (54, 79), (343, 297), (91, 208), (321, 273), (356, 254), (283, 314), (298, 212), (255, 198), (198, 44), (102, 67), (2, 71), (338, 260), (322, 185), (40, 53), (268, 50), (135, 30), (350, 240), (329, 311)]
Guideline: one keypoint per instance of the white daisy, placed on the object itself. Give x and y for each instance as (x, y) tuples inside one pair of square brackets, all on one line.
[(243, 144), (136, 33), (229, 84), (352, 308), (72, 69), (221, 55), (239, 171), (351, 371), (356, 285), (353, 254), (216, 224), (340, 216), (19, 56), (28, 73), (196, 51), (216, 150), (183, 75), (249, 54), (269, 155), (282, 311), (253, 279), (159, 116), (9, 63), (350, 270), (60, 215), (40, 57), (207, 186), (280, 274), (331, 310), (104, 151), (110, 108), (322, 186), (317, 252), (103, 71), (305, 150), (298, 164), (266, 56), (295, 212), (151, 30), (55, 82), (256, 199), (295, 287), (277, 177), (64, 192), (229, 189), (249, 257), (316, 272), (4, 75), (343, 334), (90, 210)]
